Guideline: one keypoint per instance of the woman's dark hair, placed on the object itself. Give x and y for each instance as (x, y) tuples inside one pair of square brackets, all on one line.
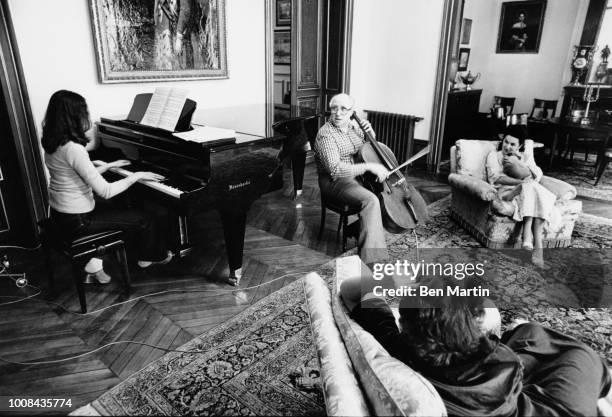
[(66, 119), (518, 131), (445, 332)]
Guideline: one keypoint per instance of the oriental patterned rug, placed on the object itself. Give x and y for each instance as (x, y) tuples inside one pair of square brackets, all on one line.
[(263, 361), (580, 174), (524, 291)]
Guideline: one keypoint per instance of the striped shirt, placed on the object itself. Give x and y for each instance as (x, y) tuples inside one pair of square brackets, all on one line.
[(334, 151)]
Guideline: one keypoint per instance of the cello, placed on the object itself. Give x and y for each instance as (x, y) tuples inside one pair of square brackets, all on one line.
[(401, 204)]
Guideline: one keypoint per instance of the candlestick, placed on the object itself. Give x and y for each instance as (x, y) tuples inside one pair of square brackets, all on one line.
[(591, 95)]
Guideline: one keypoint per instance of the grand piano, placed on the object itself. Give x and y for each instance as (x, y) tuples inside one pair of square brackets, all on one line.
[(226, 175)]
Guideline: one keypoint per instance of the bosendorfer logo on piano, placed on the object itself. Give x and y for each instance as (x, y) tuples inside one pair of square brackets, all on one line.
[(239, 185)]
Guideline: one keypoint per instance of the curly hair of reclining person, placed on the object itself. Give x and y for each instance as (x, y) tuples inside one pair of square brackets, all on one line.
[(444, 331)]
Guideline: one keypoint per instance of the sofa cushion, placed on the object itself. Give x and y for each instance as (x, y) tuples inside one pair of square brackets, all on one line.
[(392, 387), (472, 156), (343, 397)]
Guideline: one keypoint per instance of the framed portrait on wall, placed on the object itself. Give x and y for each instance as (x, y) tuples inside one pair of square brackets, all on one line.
[(282, 47), (283, 12), (464, 59), (520, 26), (466, 31), (159, 40)]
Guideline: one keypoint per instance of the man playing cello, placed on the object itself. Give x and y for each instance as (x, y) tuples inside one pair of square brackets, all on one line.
[(337, 142)]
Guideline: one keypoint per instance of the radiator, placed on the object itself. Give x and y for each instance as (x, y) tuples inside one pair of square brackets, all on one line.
[(394, 130)]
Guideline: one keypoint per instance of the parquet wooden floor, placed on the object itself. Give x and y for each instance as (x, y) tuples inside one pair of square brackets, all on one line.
[(281, 242)]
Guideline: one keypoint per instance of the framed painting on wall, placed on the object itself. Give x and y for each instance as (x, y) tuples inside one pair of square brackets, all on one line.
[(159, 40), (464, 59), (283, 12), (282, 47), (520, 26), (466, 31)]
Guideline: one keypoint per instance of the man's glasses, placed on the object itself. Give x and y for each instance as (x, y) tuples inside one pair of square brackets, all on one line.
[(340, 109)]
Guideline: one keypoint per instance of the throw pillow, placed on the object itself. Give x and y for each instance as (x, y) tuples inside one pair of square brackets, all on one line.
[(472, 156)]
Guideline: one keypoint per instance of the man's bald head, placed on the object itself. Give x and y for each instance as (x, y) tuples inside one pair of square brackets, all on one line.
[(342, 99)]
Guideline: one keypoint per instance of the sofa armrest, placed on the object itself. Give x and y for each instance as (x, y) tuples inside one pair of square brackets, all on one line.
[(473, 186), (561, 189), (343, 397)]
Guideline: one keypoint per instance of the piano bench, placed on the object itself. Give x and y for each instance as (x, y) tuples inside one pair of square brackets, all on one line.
[(344, 210), (79, 251)]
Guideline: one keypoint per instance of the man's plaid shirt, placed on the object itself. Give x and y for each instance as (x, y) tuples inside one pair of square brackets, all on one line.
[(334, 151)]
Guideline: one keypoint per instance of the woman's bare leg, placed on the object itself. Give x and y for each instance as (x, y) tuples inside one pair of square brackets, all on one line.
[(527, 232), (538, 232), (538, 253)]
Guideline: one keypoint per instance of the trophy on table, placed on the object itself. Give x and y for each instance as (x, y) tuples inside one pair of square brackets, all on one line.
[(469, 79)]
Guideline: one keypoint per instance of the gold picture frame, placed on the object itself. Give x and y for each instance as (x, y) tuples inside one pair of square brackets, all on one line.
[(153, 40)]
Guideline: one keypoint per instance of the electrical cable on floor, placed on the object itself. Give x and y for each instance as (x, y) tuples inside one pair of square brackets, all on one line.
[(416, 242), (39, 291), (127, 301), (137, 343), (19, 247), (216, 291)]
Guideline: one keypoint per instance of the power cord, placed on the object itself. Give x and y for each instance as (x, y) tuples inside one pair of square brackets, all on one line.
[(137, 343), (20, 279), (216, 291), (19, 247)]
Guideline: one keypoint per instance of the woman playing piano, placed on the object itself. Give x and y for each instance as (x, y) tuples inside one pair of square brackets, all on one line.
[(74, 179)]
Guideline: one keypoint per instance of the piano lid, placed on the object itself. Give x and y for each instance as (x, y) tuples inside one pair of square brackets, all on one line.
[(248, 118)]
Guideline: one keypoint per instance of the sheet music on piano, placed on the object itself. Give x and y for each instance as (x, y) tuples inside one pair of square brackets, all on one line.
[(165, 108), (204, 134)]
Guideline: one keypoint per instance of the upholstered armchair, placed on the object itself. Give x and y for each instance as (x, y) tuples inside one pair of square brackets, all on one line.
[(472, 196)]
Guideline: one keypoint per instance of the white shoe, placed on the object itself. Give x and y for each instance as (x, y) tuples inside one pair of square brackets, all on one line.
[(234, 277)]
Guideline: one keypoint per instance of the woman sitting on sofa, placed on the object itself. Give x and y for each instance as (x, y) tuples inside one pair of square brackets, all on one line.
[(530, 371), (517, 178)]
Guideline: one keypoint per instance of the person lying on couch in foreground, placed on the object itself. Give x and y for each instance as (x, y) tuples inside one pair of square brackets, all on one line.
[(530, 371)]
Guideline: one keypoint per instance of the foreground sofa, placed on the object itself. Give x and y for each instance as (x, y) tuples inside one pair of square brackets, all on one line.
[(359, 377)]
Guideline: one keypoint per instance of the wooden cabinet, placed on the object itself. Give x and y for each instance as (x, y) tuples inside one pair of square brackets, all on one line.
[(461, 118)]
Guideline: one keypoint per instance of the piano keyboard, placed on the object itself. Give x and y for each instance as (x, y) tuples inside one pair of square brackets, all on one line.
[(159, 186)]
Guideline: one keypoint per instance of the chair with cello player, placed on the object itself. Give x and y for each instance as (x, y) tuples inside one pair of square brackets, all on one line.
[(311, 127)]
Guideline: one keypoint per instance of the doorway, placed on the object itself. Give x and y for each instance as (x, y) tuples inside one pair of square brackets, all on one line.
[(307, 55), (22, 177)]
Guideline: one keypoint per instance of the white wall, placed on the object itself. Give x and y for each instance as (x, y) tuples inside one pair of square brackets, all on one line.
[(524, 76), (395, 57), (57, 52)]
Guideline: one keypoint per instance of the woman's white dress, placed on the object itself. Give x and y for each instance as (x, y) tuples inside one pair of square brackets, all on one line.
[(533, 200)]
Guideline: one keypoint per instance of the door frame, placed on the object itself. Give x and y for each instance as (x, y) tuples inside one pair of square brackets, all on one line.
[(449, 46), (269, 64), (269, 55), (23, 128)]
